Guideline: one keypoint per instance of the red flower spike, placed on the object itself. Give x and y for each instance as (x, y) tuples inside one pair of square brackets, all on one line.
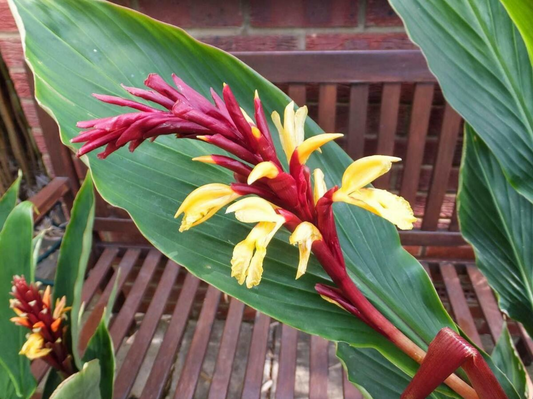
[(260, 119), (238, 118), (151, 96), (34, 312), (122, 102), (156, 82), (446, 353), (228, 163)]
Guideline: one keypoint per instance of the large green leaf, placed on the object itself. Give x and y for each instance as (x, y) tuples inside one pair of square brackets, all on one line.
[(521, 13), (498, 222), (84, 384), (507, 359), (9, 199), (482, 65), (78, 47), (15, 259), (73, 258)]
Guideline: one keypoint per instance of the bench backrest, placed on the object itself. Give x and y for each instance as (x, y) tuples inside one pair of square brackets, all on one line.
[(386, 102)]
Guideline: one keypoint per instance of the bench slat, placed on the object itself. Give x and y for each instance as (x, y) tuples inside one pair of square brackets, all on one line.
[(442, 168), (162, 366), (134, 359), (287, 362), (458, 302), (388, 122), (125, 267), (195, 357), (487, 301), (226, 353), (357, 118), (327, 107), (318, 368), (349, 389), (121, 324), (298, 94), (418, 128), (253, 378)]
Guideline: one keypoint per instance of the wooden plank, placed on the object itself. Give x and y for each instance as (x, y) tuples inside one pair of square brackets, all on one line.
[(133, 361), (388, 122), (357, 115), (526, 339), (287, 363), (434, 238), (50, 195), (253, 378), (226, 353), (457, 299), (318, 368), (121, 324), (349, 389), (375, 66), (487, 301), (442, 168), (327, 107), (200, 341), (454, 223), (418, 128), (161, 369), (122, 271), (298, 94), (97, 274)]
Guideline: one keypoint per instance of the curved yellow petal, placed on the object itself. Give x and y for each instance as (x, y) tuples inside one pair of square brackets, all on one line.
[(34, 348), (255, 271), (365, 170), (313, 143), (240, 262), (319, 188), (387, 205), (288, 120), (299, 125), (247, 117), (263, 169), (203, 203), (304, 235), (287, 142), (205, 159), (254, 210)]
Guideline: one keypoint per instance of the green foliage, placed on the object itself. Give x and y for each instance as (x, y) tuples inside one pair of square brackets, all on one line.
[(508, 360), (9, 200), (101, 347), (73, 258), (84, 384), (76, 48), (498, 222), (521, 12), (482, 65), (16, 259)]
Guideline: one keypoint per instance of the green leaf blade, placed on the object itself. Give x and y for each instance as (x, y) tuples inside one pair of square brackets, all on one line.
[(83, 384), (9, 200)]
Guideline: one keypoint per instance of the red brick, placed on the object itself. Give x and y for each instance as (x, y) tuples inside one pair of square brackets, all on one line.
[(461, 252), (8, 22), (48, 165), (303, 13), (20, 81), (359, 41), (380, 13), (252, 43), (39, 140), (30, 110), (11, 51), (193, 13)]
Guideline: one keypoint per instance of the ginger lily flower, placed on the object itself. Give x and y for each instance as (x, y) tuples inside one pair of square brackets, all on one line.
[(35, 312), (203, 203), (387, 205), (304, 235), (291, 132)]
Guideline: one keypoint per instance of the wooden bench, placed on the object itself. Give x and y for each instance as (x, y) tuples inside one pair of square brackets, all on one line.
[(203, 344)]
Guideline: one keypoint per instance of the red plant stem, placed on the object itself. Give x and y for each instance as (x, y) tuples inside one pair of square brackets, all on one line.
[(447, 352)]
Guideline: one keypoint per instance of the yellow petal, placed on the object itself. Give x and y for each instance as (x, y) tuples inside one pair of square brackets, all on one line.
[(387, 205), (299, 125), (254, 210), (304, 235), (256, 268), (247, 117), (205, 159), (313, 143), (288, 121), (365, 170), (240, 262), (263, 169), (256, 132), (319, 188), (203, 203), (33, 347), (287, 142)]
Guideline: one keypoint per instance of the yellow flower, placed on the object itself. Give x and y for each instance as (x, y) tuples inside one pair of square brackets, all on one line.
[(387, 205), (203, 203), (263, 169), (319, 188), (304, 235), (249, 254), (33, 347)]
